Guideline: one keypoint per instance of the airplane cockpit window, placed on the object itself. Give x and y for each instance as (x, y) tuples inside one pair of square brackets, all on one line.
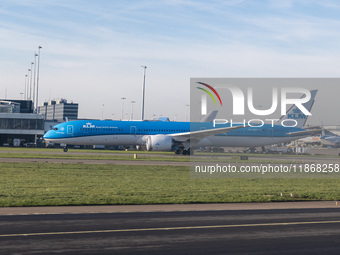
[(55, 128)]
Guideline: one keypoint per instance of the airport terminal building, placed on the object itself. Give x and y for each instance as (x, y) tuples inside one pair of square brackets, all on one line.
[(20, 125), (59, 110), (27, 127)]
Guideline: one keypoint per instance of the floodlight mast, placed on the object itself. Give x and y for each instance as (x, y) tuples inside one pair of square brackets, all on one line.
[(143, 96), (37, 98)]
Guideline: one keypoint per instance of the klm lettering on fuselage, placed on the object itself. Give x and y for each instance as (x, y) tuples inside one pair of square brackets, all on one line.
[(297, 114), (89, 125)]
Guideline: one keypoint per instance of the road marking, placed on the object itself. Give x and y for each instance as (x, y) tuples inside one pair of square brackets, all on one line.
[(169, 228)]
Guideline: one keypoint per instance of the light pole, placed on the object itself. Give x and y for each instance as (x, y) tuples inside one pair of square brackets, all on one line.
[(143, 96), (28, 84), (132, 102), (35, 65), (25, 92), (186, 112), (102, 111), (31, 81), (38, 75), (123, 98)]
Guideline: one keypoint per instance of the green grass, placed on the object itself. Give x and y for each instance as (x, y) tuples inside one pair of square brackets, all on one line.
[(41, 184), (91, 156), (141, 156)]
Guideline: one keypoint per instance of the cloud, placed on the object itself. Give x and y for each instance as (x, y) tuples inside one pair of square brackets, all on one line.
[(99, 47)]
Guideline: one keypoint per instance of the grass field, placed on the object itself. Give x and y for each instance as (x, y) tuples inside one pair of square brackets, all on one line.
[(94, 156), (40, 184)]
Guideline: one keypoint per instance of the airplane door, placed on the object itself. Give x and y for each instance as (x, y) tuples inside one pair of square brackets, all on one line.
[(70, 129), (270, 132), (133, 130)]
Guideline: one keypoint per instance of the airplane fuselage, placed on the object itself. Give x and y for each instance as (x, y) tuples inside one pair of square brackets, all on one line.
[(107, 132)]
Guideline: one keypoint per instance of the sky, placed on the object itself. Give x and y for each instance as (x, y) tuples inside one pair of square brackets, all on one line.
[(92, 51)]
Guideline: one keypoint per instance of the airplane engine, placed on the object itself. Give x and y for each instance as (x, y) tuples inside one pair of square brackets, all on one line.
[(159, 143)]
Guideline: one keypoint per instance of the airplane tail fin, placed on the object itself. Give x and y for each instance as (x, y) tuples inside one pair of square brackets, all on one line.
[(323, 133), (294, 112), (210, 116)]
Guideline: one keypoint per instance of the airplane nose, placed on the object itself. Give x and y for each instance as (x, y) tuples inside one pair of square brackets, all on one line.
[(47, 135)]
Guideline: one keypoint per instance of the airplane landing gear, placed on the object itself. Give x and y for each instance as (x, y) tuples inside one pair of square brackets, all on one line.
[(65, 149), (184, 152)]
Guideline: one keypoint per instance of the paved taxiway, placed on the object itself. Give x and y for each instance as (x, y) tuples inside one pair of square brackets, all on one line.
[(264, 157), (287, 231)]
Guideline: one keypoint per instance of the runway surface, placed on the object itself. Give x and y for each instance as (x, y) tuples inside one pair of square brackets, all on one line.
[(286, 231)]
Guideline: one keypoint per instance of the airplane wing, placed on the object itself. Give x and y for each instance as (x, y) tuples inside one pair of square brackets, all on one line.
[(195, 136), (312, 127), (307, 132)]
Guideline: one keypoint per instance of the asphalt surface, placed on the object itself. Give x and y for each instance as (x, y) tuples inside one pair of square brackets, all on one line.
[(259, 157), (285, 231)]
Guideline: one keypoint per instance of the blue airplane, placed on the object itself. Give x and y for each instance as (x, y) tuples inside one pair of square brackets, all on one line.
[(330, 139), (182, 136)]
